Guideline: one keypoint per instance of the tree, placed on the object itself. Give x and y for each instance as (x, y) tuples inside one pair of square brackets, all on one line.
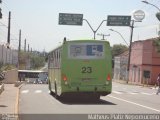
[(156, 43), (34, 59), (118, 49), (37, 61)]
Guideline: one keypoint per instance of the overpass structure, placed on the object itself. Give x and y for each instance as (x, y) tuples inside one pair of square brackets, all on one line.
[(31, 73)]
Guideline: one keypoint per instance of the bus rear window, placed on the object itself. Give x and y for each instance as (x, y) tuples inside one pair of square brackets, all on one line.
[(86, 51)]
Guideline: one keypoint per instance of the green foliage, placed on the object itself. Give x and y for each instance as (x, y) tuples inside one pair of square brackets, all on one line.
[(37, 61), (34, 59), (6, 67), (118, 49), (156, 43)]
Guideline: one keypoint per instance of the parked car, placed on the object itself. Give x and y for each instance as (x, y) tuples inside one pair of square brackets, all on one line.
[(38, 81)]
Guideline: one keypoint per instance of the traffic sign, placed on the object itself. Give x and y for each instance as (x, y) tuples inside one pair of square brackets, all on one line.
[(70, 19), (115, 20), (139, 15)]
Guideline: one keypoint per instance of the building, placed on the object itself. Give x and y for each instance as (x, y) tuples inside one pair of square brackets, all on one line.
[(145, 62), (120, 66)]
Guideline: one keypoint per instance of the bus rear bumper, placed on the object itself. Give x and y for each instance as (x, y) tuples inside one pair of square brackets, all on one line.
[(100, 90)]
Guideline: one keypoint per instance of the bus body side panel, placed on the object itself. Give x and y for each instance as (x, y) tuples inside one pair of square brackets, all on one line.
[(54, 72)]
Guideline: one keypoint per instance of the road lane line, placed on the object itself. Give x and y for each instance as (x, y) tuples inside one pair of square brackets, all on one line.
[(24, 91), (133, 93), (38, 91), (116, 92), (135, 103), (146, 93)]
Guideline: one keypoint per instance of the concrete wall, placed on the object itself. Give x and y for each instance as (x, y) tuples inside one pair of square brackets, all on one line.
[(136, 53), (11, 76), (8, 56), (120, 68)]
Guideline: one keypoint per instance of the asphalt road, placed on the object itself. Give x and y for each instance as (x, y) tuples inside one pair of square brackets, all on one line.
[(125, 99)]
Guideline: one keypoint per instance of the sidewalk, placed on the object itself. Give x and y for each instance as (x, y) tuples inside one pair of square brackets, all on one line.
[(9, 99), (130, 83)]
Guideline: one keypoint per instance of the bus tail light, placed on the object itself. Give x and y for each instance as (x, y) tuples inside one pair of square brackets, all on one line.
[(108, 77), (64, 77)]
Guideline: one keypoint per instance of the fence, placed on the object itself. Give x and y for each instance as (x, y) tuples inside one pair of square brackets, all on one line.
[(8, 56)]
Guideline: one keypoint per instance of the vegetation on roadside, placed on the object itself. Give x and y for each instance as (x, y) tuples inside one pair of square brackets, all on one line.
[(31, 60), (5, 67), (156, 43), (117, 49)]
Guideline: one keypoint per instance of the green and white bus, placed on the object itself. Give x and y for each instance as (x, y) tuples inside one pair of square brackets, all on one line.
[(81, 68)]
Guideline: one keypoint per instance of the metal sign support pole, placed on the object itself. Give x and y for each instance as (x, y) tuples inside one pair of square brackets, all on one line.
[(94, 31)]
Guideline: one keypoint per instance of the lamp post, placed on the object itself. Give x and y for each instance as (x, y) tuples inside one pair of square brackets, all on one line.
[(103, 35), (120, 35), (158, 13)]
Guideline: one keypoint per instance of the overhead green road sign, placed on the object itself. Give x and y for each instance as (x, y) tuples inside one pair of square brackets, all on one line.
[(70, 19), (115, 20)]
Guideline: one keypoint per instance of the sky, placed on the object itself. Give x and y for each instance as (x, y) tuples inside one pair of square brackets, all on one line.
[(38, 21)]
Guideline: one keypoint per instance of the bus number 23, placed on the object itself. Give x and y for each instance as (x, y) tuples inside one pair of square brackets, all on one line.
[(86, 69)]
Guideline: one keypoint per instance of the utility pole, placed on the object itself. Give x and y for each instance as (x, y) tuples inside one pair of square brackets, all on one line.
[(28, 47), (130, 47), (103, 35), (19, 47), (9, 29), (25, 45)]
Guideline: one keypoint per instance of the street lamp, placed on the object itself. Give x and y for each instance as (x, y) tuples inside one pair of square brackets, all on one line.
[(158, 13), (120, 35), (103, 35)]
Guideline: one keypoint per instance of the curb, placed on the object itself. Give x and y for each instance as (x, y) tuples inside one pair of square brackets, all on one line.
[(17, 102), (1, 88), (130, 83)]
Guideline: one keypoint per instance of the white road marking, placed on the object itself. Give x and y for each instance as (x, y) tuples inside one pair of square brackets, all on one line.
[(38, 91), (134, 103), (116, 92), (133, 93), (24, 91), (146, 93)]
